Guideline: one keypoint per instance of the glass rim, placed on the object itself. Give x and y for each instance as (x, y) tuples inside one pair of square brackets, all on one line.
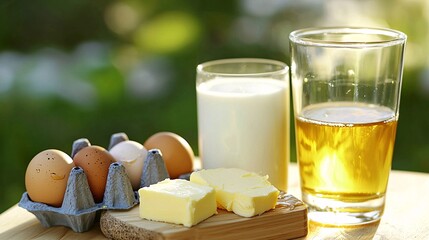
[(284, 68), (304, 37)]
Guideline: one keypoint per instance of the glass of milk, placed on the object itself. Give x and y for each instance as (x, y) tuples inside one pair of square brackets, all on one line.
[(243, 116)]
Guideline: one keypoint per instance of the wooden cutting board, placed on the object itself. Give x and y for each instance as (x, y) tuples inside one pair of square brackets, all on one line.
[(288, 220)]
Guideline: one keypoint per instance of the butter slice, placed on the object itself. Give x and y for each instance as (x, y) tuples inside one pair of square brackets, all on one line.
[(245, 193), (177, 201)]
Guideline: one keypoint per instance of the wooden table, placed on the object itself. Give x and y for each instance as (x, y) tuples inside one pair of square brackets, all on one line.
[(406, 216)]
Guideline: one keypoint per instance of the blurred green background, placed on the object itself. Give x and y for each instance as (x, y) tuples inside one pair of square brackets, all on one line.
[(72, 69)]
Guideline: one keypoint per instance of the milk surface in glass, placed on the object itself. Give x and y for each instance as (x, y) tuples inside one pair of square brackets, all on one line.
[(243, 123)]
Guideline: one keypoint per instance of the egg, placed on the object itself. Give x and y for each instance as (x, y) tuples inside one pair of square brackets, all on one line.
[(132, 156), (95, 162), (176, 152), (47, 175)]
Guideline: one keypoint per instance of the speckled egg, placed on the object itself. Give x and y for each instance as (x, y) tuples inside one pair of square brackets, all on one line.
[(95, 162), (47, 175)]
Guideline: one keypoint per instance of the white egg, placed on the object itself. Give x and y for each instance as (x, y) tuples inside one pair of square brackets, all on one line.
[(132, 156)]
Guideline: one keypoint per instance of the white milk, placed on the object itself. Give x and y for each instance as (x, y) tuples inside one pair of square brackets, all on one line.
[(244, 123)]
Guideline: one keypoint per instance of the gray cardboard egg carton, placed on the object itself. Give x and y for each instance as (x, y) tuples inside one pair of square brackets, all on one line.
[(78, 210)]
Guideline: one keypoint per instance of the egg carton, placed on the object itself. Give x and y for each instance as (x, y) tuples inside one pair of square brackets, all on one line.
[(78, 210)]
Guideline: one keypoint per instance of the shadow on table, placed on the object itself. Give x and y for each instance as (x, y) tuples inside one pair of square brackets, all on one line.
[(321, 231)]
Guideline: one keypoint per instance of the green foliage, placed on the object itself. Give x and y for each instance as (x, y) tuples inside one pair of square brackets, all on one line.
[(69, 69)]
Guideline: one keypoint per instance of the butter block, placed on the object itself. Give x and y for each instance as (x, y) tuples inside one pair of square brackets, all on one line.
[(245, 193), (177, 201)]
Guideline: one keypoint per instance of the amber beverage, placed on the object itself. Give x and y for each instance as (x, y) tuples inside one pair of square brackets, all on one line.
[(345, 152), (346, 86)]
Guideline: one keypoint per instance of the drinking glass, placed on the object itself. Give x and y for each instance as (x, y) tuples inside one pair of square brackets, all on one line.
[(243, 116), (346, 85)]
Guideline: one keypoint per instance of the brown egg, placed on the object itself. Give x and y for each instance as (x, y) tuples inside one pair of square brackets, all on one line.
[(95, 162), (47, 175), (176, 152)]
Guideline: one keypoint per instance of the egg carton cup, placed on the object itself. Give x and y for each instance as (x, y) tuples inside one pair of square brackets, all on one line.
[(78, 210)]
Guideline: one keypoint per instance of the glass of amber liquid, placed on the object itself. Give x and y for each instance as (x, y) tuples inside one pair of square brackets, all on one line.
[(346, 85)]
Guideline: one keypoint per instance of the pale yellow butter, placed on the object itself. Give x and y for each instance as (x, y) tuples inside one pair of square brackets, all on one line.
[(245, 193), (177, 201)]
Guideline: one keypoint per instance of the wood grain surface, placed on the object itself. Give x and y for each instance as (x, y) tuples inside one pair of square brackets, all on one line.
[(406, 216), (288, 220)]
